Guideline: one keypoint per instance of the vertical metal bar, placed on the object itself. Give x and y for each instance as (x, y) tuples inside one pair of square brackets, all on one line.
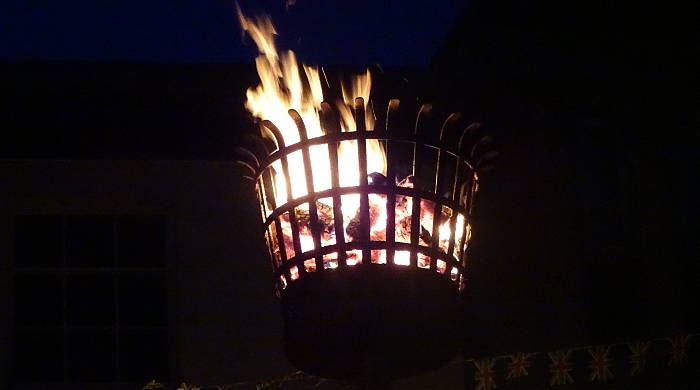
[(453, 234), (267, 195), (449, 122), (268, 191), (456, 180), (295, 232), (464, 196), (270, 248), (435, 234), (291, 210), (415, 225), (362, 161), (424, 111), (280, 240), (262, 197), (463, 243), (283, 160), (415, 157), (472, 191), (331, 127), (437, 170), (437, 212), (415, 217), (337, 205), (390, 203), (308, 173), (391, 187), (415, 210), (463, 204), (285, 173), (260, 192)]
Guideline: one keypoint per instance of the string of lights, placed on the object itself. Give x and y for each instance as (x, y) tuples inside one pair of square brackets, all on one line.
[(519, 365)]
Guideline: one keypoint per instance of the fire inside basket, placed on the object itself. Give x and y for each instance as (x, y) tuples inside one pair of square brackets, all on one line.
[(366, 221), (363, 216), (329, 198), (347, 252)]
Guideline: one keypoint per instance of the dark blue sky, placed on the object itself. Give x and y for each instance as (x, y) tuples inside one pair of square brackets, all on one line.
[(387, 32)]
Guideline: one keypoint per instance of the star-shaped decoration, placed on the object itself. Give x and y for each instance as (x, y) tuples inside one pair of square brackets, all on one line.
[(600, 363), (485, 374), (678, 349), (640, 353), (153, 385), (560, 367), (519, 364)]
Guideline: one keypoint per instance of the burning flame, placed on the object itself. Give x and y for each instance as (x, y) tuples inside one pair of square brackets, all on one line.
[(283, 88)]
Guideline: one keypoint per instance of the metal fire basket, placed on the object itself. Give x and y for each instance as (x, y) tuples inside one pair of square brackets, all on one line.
[(358, 304)]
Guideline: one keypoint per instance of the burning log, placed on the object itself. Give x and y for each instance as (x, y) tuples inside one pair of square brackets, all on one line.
[(404, 206), (324, 223), (377, 221), (287, 235)]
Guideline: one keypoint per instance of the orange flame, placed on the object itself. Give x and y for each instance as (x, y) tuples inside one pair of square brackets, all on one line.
[(282, 87)]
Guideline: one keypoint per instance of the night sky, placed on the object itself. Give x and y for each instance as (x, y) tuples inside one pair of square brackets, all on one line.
[(390, 33)]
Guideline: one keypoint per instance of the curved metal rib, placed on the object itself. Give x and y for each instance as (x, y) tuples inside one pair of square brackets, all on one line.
[(328, 124), (471, 127), (285, 164), (247, 166), (391, 109), (303, 136), (483, 140), (360, 114), (486, 156), (275, 132), (449, 122), (259, 141), (423, 112), (247, 153)]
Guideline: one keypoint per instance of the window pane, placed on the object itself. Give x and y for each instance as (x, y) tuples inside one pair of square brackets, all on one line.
[(143, 355), (38, 300), (66, 322), (142, 300), (90, 300), (38, 356), (89, 241), (141, 241), (38, 241), (91, 356)]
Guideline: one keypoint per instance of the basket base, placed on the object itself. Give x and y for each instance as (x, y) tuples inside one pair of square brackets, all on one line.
[(371, 323)]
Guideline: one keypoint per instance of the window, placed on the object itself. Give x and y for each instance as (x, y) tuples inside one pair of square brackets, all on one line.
[(89, 299)]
